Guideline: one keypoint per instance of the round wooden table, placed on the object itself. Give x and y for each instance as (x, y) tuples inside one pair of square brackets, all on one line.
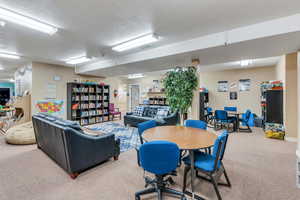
[(186, 138)]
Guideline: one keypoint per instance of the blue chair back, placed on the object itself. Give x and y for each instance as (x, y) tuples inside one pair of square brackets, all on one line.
[(159, 157), (247, 115), (221, 115), (232, 109), (219, 149), (144, 126), (195, 124), (209, 109)]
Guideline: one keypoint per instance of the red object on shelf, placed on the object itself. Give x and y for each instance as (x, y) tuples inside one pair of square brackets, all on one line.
[(75, 106)]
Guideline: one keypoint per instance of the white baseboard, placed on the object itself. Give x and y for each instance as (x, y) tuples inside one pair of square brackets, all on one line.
[(291, 139)]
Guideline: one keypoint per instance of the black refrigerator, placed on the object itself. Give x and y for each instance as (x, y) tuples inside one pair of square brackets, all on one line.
[(274, 106)]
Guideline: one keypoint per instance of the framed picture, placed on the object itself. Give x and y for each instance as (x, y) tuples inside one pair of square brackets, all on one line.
[(244, 85), (233, 95), (222, 86)]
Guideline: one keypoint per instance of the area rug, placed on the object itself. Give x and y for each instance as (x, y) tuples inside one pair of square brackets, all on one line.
[(128, 136)]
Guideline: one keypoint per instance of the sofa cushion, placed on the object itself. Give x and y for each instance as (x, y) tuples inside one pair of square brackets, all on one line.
[(68, 123), (139, 110)]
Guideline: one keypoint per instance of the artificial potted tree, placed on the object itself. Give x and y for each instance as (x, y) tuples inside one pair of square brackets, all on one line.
[(179, 85)]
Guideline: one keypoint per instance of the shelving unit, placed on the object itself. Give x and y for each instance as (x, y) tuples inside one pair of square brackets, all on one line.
[(160, 101), (87, 103)]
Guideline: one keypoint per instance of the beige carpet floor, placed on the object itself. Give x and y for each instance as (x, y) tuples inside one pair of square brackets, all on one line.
[(259, 168)]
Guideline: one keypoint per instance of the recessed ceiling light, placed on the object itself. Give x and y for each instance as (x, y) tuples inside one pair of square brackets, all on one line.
[(29, 22), (78, 60), (245, 63), (140, 41), (133, 76), (2, 23), (9, 55)]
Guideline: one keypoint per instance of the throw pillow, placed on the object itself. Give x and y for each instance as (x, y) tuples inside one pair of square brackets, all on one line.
[(139, 111), (162, 112)]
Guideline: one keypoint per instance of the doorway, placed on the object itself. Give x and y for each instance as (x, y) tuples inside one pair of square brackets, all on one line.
[(134, 96)]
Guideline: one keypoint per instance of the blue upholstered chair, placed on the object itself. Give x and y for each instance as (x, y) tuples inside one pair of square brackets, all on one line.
[(195, 124), (159, 158), (209, 115), (210, 165), (245, 121), (141, 128), (230, 108), (222, 119)]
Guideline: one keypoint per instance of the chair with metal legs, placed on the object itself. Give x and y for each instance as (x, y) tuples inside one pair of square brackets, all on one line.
[(141, 128), (159, 158), (210, 165)]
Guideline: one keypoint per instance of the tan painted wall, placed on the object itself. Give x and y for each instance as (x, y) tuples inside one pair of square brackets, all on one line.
[(291, 117), (120, 85), (298, 102), (43, 74), (246, 100)]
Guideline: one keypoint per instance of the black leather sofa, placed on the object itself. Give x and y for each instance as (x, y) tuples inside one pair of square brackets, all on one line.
[(133, 120), (65, 143)]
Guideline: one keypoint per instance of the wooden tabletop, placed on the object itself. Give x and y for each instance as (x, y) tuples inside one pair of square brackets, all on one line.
[(186, 138)]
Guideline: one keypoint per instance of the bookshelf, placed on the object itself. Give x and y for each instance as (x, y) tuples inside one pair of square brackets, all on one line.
[(87, 103), (161, 101)]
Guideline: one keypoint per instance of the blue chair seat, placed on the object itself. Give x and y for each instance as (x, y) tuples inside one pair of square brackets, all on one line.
[(203, 161)]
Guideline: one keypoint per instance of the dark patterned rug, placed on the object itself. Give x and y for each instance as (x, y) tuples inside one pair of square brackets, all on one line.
[(128, 136)]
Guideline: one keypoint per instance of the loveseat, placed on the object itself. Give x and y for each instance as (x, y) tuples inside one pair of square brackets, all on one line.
[(161, 114), (72, 149)]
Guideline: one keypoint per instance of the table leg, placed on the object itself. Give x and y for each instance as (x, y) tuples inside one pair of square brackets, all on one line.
[(237, 122), (192, 193)]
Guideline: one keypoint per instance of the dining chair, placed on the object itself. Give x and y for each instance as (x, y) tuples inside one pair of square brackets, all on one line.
[(210, 165), (141, 128), (209, 117), (245, 121), (195, 124), (159, 158), (222, 119), (230, 108)]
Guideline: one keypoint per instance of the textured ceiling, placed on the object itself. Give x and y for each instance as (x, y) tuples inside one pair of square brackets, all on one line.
[(93, 26)]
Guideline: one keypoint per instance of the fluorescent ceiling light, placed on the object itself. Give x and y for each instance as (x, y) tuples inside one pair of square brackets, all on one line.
[(2, 23), (9, 55), (245, 63), (140, 41), (78, 60), (22, 20), (133, 76)]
